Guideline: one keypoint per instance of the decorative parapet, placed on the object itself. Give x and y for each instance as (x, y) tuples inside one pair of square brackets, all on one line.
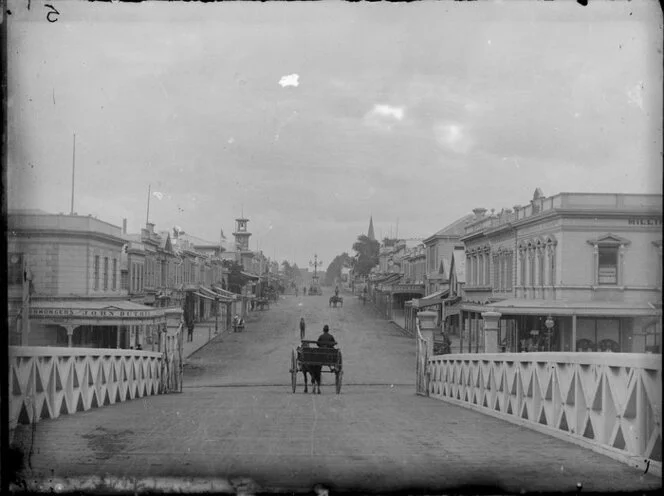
[(609, 402), (46, 382)]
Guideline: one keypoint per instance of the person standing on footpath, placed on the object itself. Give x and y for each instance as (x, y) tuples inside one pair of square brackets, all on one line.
[(302, 328)]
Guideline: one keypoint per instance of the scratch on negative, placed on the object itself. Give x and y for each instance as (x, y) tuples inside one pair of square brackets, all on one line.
[(313, 427)]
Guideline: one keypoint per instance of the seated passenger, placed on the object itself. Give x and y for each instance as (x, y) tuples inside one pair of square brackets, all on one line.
[(326, 340)]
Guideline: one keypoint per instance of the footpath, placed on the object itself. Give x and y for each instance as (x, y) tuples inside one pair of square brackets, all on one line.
[(400, 322), (203, 334)]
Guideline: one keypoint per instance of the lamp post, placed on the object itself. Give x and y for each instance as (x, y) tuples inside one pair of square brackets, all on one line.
[(315, 264), (216, 315), (549, 323)]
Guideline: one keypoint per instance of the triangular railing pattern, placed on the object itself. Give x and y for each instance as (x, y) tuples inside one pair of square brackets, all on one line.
[(607, 399), (46, 382)]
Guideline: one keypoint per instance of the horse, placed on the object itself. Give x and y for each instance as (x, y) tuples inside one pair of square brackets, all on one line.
[(315, 372), (336, 299)]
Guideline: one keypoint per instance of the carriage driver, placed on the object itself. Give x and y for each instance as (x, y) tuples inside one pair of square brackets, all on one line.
[(326, 340)]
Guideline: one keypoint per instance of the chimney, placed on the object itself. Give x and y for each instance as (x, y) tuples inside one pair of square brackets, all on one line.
[(150, 227), (124, 226), (479, 212)]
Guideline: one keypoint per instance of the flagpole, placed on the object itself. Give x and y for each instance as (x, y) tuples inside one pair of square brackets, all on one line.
[(73, 170), (147, 215)]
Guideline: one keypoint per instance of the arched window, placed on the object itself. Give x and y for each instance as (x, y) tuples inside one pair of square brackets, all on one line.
[(540, 264), (522, 265), (531, 264)]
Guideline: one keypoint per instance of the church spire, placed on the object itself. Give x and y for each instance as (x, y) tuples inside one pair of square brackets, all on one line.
[(370, 234)]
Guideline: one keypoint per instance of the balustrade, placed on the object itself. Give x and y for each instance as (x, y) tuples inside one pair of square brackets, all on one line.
[(46, 382), (610, 402)]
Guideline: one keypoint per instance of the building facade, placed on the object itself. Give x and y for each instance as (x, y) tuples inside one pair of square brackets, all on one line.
[(573, 272), (75, 296)]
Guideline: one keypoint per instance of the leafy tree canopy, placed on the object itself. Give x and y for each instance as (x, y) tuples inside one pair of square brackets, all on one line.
[(333, 271), (367, 254), (235, 277)]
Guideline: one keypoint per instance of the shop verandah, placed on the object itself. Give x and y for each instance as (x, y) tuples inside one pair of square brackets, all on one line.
[(92, 324), (559, 326)]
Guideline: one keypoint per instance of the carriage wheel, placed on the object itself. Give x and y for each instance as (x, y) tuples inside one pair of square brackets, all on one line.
[(293, 370), (339, 374)]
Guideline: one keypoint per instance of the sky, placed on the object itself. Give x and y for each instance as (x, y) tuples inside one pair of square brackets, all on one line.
[(308, 118)]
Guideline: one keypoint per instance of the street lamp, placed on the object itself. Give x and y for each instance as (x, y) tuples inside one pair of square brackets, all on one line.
[(549, 323), (315, 264)]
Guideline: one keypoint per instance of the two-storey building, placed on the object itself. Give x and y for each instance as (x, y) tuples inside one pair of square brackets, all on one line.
[(573, 272), (75, 295)]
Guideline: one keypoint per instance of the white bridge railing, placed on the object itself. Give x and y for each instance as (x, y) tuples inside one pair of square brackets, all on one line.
[(46, 382), (610, 402)]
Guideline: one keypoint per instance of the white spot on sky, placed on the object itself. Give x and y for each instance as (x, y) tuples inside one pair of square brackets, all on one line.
[(389, 111), (158, 195), (231, 141), (290, 80)]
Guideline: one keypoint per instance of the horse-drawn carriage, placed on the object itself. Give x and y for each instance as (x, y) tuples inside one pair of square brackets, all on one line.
[(262, 303), (309, 359), (315, 290), (238, 324), (336, 299)]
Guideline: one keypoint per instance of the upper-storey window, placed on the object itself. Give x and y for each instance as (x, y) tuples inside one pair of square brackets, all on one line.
[(105, 273), (608, 265), (608, 253), (96, 272), (15, 268)]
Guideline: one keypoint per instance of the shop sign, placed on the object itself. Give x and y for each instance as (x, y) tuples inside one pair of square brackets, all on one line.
[(644, 221), (93, 313), (407, 287)]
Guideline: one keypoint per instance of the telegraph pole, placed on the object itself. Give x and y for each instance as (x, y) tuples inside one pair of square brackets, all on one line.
[(73, 171)]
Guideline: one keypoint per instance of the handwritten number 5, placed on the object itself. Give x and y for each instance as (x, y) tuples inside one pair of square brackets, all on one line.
[(52, 15)]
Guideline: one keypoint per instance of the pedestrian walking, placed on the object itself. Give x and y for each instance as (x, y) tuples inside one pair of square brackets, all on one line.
[(302, 328)]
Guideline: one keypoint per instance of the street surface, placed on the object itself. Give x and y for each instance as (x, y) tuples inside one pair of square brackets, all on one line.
[(238, 427)]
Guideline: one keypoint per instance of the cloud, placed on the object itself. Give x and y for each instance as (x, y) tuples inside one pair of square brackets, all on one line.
[(384, 117), (453, 136), (290, 80)]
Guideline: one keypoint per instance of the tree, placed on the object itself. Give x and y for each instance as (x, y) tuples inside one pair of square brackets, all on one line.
[(367, 254), (334, 269), (235, 277)]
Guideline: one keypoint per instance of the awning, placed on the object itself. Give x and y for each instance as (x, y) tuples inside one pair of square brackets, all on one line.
[(432, 299), (223, 292), (99, 313), (201, 295), (215, 295), (250, 275), (516, 306)]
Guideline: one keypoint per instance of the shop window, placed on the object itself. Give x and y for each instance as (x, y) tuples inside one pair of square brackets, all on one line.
[(598, 335), (607, 265)]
